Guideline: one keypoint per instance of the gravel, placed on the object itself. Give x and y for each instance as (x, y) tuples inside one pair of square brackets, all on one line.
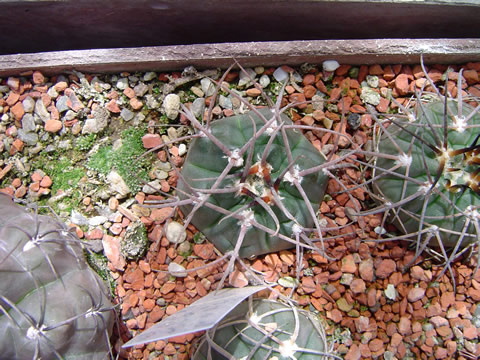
[(401, 314)]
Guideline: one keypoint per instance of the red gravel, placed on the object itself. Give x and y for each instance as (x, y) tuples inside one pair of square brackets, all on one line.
[(424, 319)]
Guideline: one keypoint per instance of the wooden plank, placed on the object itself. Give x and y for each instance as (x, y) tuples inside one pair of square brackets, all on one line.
[(167, 58)]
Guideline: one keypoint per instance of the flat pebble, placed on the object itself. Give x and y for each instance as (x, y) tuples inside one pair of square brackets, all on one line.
[(177, 270)]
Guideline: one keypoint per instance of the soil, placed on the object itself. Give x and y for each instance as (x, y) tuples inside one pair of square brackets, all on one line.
[(372, 304)]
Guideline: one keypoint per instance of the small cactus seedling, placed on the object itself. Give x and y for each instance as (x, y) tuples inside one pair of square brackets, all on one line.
[(426, 173), (264, 329), (52, 305)]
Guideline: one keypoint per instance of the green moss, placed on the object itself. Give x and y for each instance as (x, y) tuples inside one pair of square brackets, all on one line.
[(353, 72), (102, 160), (99, 264), (65, 175), (124, 160), (199, 238), (85, 143)]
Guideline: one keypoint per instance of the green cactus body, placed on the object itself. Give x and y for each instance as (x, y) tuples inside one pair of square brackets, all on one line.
[(52, 305), (450, 215), (205, 162), (266, 332)]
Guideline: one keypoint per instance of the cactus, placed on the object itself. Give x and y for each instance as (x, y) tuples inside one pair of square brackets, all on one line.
[(253, 183), (52, 305), (257, 171), (426, 175), (264, 329)]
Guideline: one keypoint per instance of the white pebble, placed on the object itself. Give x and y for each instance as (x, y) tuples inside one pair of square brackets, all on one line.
[(280, 75), (330, 65), (176, 232), (390, 292), (97, 220), (176, 270), (182, 149)]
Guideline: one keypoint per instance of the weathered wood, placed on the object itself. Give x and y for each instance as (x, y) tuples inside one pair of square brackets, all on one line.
[(163, 58)]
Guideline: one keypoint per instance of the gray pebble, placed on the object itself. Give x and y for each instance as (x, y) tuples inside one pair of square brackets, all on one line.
[(52, 92), (78, 219), (28, 104), (318, 101), (280, 75), (390, 292), (36, 149), (198, 107), (330, 65), (41, 110), (135, 242), (70, 115), (208, 87), (65, 144), (244, 78), (346, 279), (122, 83), (354, 121), (61, 104), (140, 89), (182, 149), (161, 175), (151, 187), (264, 81), (165, 166), (388, 355), (117, 184), (137, 120), (127, 114), (29, 138), (133, 79), (172, 133), (98, 122), (28, 123), (225, 102), (149, 76), (95, 245)]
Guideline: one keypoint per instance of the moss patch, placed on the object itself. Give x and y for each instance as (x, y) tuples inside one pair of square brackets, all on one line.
[(124, 160)]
